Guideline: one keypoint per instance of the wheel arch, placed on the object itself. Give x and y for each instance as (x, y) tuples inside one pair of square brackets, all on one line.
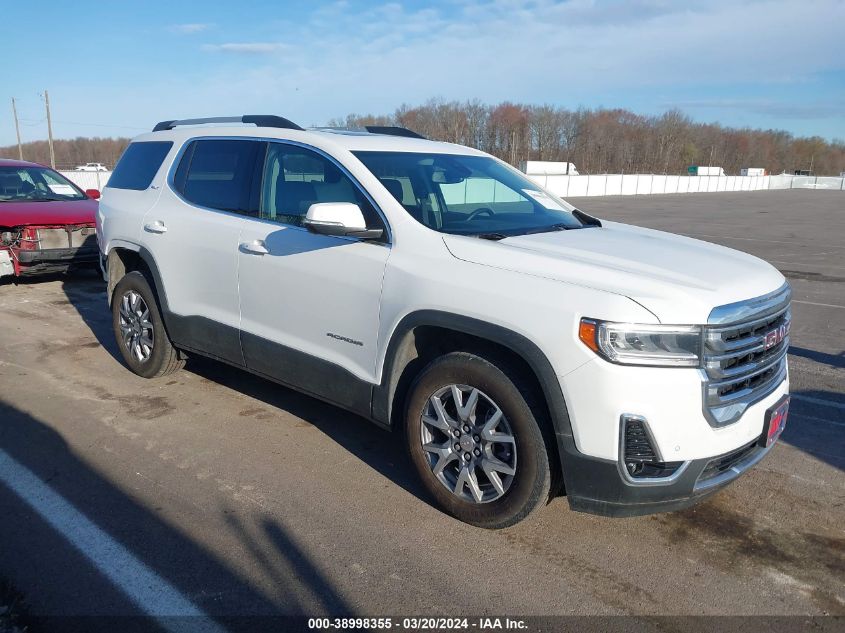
[(421, 336), (121, 259), (125, 258)]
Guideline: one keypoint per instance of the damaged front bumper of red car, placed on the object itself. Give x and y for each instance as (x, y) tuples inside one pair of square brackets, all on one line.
[(30, 250)]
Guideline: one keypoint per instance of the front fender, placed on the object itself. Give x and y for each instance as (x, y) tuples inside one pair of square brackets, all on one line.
[(527, 350)]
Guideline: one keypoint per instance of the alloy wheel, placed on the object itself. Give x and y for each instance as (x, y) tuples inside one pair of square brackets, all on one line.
[(468, 443), (136, 327)]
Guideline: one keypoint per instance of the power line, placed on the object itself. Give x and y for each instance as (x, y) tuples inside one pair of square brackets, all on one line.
[(107, 125)]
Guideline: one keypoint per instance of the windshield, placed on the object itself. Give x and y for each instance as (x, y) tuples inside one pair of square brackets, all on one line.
[(33, 184), (468, 195)]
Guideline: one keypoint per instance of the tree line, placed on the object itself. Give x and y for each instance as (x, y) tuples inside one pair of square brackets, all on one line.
[(596, 140), (70, 152), (610, 140)]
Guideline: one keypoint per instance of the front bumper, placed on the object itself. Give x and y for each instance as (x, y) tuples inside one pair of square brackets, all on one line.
[(597, 485), (55, 259), (600, 395)]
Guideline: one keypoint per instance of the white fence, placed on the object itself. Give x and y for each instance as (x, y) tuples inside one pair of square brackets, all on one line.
[(592, 185), (87, 179), (645, 184)]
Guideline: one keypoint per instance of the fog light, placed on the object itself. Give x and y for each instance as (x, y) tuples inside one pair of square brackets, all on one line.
[(634, 468)]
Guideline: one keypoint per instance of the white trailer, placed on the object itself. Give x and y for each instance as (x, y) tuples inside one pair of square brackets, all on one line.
[(704, 170), (752, 171)]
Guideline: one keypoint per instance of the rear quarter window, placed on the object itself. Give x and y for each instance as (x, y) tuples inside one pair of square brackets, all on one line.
[(219, 174), (139, 164)]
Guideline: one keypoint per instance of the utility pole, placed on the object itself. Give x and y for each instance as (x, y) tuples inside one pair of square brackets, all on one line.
[(50, 131), (17, 129)]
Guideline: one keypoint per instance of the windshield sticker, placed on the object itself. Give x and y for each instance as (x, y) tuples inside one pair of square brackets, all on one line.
[(62, 190), (544, 199)]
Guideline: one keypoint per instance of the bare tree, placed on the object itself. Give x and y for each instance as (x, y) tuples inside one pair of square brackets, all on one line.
[(599, 140)]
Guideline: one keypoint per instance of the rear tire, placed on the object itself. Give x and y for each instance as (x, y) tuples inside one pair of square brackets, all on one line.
[(139, 329), (475, 442)]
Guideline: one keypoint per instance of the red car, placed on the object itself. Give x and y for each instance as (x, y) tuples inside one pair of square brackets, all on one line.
[(46, 221)]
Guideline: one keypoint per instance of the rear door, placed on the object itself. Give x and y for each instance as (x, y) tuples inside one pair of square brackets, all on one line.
[(192, 232), (309, 302)]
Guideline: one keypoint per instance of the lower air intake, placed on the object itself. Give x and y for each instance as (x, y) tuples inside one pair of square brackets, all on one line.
[(640, 457)]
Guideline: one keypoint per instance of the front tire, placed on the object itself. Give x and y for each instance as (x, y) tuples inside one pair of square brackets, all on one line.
[(139, 329), (475, 441)]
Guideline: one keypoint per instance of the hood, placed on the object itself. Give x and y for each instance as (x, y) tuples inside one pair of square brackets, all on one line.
[(677, 278), (43, 213)]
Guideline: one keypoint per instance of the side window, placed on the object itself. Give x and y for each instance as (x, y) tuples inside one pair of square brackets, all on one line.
[(295, 178), (182, 170), (138, 165), (219, 174)]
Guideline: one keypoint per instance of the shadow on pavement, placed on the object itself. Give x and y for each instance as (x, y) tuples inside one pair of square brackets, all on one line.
[(64, 588), (816, 425), (381, 450), (834, 360), (87, 294)]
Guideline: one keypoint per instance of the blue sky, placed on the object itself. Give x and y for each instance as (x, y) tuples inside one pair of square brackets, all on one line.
[(117, 68)]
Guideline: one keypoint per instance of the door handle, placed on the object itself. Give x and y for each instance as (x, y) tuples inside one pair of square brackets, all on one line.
[(256, 247), (155, 227)]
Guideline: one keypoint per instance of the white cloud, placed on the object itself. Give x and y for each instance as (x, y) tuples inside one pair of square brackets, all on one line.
[(246, 48), (189, 29), (758, 62), (538, 51), (808, 109)]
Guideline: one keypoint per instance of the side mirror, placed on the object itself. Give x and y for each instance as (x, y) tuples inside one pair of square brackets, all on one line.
[(339, 218), (94, 194)]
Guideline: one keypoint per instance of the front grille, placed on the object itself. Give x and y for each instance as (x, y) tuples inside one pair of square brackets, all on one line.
[(745, 359), (724, 463)]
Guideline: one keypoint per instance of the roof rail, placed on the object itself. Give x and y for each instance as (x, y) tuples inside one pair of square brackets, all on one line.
[(259, 120), (393, 130)]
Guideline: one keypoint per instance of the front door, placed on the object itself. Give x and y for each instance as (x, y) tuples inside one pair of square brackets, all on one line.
[(310, 303)]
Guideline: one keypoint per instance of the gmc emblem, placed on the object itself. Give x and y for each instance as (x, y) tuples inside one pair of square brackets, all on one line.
[(776, 336)]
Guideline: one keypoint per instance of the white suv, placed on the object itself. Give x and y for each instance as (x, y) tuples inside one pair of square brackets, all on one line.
[(523, 347)]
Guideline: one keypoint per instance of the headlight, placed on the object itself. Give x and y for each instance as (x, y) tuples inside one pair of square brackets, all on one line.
[(632, 344)]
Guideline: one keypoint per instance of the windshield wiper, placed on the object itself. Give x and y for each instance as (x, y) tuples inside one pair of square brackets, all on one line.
[(587, 220), (495, 237), (548, 229)]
